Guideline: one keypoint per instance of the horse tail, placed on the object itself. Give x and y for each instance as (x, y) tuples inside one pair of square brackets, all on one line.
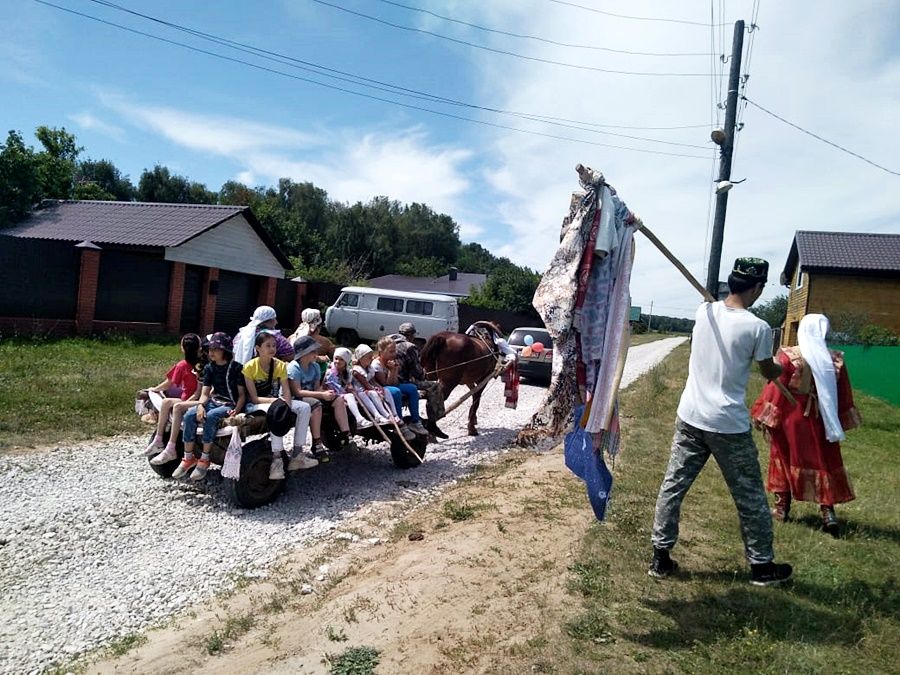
[(431, 351)]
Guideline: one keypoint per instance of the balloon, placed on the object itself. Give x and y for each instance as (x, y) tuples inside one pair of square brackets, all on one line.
[(528, 351), (537, 347), (529, 340)]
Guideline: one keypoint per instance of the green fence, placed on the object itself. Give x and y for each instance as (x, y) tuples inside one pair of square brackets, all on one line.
[(874, 370)]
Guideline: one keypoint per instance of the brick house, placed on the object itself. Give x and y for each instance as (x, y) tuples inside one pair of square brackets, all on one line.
[(837, 273), (141, 268)]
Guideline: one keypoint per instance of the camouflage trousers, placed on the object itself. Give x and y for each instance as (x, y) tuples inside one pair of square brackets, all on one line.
[(736, 456)]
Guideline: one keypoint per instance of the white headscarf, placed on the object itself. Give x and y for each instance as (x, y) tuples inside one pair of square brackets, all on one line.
[(811, 337), (246, 337), (310, 320)]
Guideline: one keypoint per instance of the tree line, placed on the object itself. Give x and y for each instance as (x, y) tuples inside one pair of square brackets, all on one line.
[(325, 239)]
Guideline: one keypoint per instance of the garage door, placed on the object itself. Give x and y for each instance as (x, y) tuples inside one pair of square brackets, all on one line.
[(236, 300)]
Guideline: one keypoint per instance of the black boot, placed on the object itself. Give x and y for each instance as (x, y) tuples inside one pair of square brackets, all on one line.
[(770, 573), (829, 520), (433, 428), (661, 565)]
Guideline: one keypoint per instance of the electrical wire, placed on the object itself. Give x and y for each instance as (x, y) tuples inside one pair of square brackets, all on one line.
[(824, 140), (356, 93), (535, 37), (389, 87), (626, 16), (475, 45)]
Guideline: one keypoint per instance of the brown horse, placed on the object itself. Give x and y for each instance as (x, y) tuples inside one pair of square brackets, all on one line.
[(456, 358)]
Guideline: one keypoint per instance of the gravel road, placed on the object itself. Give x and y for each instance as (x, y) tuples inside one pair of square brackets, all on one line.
[(94, 545)]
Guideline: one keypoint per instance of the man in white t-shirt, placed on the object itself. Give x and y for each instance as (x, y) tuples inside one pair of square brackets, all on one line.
[(713, 420)]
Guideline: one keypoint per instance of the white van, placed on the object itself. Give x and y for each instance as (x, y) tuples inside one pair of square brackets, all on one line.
[(362, 313)]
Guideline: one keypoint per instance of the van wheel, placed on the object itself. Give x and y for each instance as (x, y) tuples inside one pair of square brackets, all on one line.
[(347, 337)]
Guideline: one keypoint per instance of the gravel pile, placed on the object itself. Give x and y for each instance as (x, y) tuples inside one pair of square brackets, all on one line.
[(94, 545)]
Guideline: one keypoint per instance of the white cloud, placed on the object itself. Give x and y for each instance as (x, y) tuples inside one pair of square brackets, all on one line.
[(350, 165), (841, 87), (87, 120)]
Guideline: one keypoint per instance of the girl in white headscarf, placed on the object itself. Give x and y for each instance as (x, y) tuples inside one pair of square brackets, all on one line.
[(264, 319), (805, 453), (311, 324)]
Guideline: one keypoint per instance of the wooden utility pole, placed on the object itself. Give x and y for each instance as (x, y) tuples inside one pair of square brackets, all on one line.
[(718, 233)]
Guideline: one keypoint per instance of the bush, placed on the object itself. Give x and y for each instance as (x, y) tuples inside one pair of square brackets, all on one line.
[(878, 336)]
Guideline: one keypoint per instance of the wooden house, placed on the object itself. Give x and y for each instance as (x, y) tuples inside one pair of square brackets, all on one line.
[(847, 273), (133, 267)]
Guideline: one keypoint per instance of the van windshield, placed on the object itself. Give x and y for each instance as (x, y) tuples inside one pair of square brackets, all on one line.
[(348, 300)]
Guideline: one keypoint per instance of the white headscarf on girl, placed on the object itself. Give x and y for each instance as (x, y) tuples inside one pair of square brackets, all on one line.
[(811, 336), (310, 319), (245, 342)]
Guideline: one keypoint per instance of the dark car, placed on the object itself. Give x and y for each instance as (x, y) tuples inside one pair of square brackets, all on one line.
[(535, 366)]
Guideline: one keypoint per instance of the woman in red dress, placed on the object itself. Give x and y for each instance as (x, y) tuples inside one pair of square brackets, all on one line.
[(805, 453)]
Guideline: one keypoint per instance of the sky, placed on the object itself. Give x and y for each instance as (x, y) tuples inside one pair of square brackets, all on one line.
[(830, 67)]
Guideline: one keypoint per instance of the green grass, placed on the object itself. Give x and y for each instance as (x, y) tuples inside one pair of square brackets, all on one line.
[(75, 388), (458, 512), (840, 615), (234, 627), (355, 661)]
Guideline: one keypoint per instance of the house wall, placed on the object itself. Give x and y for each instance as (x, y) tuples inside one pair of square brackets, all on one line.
[(796, 309), (233, 246), (878, 299)]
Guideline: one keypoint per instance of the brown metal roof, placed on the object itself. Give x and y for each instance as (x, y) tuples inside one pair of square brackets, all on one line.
[(863, 252), (131, 223)]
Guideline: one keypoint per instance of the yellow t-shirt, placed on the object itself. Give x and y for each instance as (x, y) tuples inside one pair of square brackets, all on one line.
[(260, 376)]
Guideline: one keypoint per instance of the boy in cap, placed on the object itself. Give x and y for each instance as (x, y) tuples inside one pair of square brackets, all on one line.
[(411, 371), (713, 420)]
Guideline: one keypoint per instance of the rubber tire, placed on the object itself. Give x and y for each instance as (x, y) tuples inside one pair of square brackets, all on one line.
[(166, 470), (401, 456), (347, 337), (254, 488)]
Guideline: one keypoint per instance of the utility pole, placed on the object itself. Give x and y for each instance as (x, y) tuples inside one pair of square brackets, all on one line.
[(650, 317), (727, 145)]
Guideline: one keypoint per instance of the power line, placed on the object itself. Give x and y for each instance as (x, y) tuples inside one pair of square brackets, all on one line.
[(388, 86), (475, 45), (535, 37), (824, 140), (626, 16), (356, 93), (745, 79)]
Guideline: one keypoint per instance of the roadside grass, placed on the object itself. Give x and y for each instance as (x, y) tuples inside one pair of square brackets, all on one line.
[(75, 388), (841, 614), (644, 338)]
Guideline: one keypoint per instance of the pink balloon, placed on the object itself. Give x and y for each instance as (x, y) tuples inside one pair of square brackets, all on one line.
[(537, 347)]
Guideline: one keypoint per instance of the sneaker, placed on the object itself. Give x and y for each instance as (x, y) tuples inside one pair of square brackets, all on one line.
[(154, 447), (301, 461), (199, 472), (363, 424), (169, 454), (320, 452), (662, 566), (382, 420), (188, 463), (770, 574), (407, 433), (417, 428), (276, 472)]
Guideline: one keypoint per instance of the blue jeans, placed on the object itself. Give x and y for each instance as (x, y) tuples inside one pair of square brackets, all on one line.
[(398, 391), (214, 414)]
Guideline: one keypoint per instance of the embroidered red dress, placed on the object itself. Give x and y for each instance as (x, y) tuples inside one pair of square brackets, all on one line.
[(802, 461)]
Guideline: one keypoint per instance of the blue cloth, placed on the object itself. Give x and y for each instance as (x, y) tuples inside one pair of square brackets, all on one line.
[(214, 414), (588, 466), (411, 392), (309, 377)]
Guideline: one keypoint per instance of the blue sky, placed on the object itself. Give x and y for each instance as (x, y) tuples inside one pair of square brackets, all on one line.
[(831, 67)]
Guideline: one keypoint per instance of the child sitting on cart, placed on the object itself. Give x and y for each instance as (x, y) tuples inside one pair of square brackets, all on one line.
[(264, 377), (181, 391), (223, 395), (305, 379), (363, 376), (385, 371), (339, 378)]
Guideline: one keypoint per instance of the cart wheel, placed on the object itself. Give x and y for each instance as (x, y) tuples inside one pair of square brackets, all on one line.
[(254, 488), (401, 456), (166, 470)]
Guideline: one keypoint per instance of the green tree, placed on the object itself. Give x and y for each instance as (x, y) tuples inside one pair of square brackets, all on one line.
[(102, 177), (56, 162), (475, 258), (508, 287), (772, 312), (162, 186), (19, 183)]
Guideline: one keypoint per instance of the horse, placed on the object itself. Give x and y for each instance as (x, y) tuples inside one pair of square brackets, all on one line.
[(456, 358)]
